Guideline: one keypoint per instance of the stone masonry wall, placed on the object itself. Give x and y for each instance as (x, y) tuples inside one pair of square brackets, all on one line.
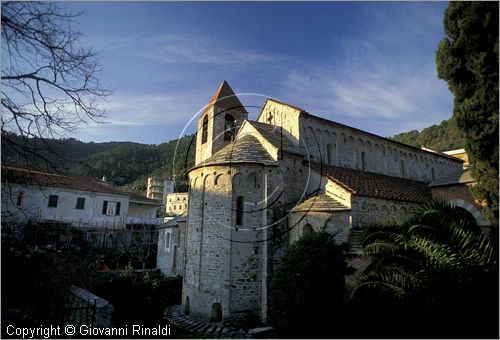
[(165, 256), (335, 223), (223, 259), (449, 192), (215, 130), (281, 115), (369, 210), (341, 145), (170, 260)]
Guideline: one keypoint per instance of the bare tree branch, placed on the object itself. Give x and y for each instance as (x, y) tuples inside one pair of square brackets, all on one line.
[(50, 84), (138, 243)]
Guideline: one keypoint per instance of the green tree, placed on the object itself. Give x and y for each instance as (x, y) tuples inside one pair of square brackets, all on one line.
[(309, 282), (468, 60), (438, 263), (442, 137)]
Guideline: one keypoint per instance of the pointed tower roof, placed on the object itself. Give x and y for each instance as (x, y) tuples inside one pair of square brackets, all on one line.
[(225, 97)]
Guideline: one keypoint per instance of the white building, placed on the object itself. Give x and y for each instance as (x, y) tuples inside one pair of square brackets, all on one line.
[(158, 188), (177, 203), (460, 154), (40, 196)]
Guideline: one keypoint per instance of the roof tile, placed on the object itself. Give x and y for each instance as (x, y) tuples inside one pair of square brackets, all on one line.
[(274, 134), (375, 185), (246, 149), (224, 97), (321, 202)]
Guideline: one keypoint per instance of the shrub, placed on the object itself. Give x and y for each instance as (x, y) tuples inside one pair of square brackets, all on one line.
[(138, 298), (306, 293)]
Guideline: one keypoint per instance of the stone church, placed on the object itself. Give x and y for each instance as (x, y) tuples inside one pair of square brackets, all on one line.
[(258, 186)]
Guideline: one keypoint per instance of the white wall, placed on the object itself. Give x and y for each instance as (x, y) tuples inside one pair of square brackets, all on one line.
[(35, 200), (142, 210)]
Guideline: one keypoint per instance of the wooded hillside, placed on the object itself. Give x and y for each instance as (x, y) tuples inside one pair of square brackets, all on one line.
[(442, 137), (124, 164)]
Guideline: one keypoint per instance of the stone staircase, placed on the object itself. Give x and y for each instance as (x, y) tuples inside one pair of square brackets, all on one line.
[(356, 240), (174, 316)]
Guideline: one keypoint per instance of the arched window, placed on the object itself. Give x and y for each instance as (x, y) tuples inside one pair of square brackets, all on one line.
[(167, 241), (329, 154), (20, 195), (229, 128), (253, 180), (187, 307), (216, 312), (239, 210), (204, 130), (307, 229), (363, 161)]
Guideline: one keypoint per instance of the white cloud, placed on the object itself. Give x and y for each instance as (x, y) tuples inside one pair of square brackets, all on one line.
[(129, 116), (145, 109), (378, 78), (373, 79), (203, 50), (183, 48)]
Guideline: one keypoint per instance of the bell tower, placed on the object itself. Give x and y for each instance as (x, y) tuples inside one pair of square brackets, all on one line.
[(219, 122)]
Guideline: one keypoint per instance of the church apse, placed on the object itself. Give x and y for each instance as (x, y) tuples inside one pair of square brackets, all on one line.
[(226, 240)]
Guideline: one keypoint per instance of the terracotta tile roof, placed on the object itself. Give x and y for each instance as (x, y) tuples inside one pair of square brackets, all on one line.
[(276, 137), (457, 178), (246, 149), (45, 179), (225, 97), (375, 185), (321, 202)]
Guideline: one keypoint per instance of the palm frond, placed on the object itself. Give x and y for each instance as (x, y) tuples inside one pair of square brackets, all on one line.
[(394, 290), (378, 247), (393, 279), (437, 255), (437, 241)]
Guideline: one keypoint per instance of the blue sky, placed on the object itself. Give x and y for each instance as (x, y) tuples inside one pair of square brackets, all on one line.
[(370, 65)]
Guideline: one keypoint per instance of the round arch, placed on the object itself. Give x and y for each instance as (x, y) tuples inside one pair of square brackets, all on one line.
[(307, 229), (216, 312), (187, 307), (480, 220)]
